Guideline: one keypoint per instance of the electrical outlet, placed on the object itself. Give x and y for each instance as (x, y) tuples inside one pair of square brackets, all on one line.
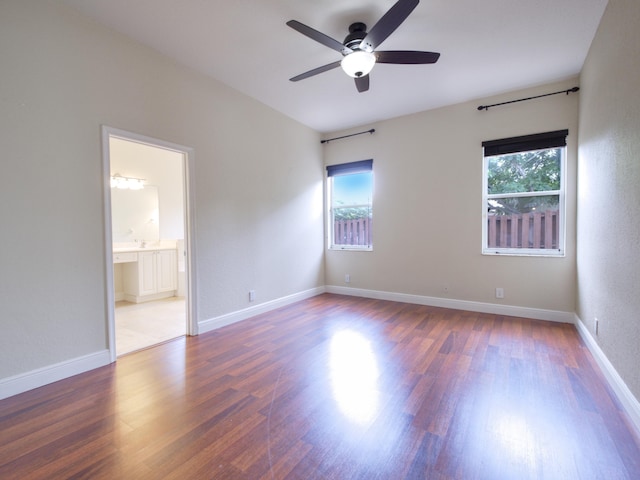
[(347, 278), (499, 292), (252, 295)]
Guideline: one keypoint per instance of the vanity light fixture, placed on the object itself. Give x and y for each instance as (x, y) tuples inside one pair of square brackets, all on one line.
[(127, 183)]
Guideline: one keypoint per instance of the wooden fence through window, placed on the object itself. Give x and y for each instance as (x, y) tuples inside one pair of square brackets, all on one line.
[(526, 230), (352, 232)]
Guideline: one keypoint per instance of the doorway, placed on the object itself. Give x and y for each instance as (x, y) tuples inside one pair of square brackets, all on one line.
[(147, 224)]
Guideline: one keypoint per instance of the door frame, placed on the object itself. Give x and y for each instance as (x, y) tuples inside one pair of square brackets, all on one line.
[(188, 203)]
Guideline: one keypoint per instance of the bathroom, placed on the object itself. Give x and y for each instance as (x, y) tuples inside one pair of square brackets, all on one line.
[(148, 232)]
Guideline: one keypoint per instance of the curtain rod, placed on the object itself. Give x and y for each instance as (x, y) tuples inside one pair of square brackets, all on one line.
[(347, 136), (571, 90)]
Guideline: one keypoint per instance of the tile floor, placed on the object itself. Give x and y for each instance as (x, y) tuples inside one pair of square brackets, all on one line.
[(140, 325)]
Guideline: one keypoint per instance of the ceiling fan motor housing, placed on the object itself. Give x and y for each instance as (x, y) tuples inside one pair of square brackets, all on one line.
[(357, 32)]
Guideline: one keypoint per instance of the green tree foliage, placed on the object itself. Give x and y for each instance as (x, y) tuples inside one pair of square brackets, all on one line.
[(536, 171), (351, 213), (525, 172)]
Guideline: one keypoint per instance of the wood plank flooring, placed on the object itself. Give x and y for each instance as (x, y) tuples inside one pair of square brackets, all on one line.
[(333, 387)]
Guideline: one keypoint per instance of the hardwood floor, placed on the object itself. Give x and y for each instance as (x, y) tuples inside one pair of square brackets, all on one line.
[(333, 387)]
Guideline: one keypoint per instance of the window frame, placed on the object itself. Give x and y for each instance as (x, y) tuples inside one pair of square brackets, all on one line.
[(350, 168), (524, 144)]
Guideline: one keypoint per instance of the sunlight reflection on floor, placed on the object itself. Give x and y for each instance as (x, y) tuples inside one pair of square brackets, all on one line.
[(354, 376)]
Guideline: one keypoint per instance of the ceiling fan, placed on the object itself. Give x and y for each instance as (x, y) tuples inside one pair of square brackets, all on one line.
[(358, 48)]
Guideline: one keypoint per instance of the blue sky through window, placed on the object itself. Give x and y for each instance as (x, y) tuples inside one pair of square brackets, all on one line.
[(353, 189)]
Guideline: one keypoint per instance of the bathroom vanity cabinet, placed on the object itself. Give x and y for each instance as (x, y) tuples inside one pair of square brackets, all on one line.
[(148, 274)]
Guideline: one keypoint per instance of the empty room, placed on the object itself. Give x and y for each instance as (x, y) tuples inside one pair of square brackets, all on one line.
[(400, 239)]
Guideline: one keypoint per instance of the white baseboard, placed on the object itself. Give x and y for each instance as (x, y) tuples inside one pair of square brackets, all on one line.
[(535, 313), (498, 309), (43, 376), (237, 316), (148, 298), (627, 399)]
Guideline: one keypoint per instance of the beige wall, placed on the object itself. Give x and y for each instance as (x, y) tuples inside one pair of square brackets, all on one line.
[(609, 190), (427, 230), (258, 196)]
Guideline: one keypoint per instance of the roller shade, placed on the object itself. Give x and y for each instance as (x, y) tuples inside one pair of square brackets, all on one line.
[(348, 168), (525, 143)]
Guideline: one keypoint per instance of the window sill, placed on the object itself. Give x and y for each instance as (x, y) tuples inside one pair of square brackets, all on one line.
[(524, 253), (350, 248)]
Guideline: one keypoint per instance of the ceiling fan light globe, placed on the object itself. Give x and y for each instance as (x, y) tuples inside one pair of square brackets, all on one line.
[(358, 64)]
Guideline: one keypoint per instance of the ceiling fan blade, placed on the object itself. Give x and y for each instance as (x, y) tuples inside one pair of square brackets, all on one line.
[(388, 23), (316, 71), (318, 36), (362, 83), (406, 57)]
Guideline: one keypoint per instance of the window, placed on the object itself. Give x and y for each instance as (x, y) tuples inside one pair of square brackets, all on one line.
[(350, 193), (523, 195)]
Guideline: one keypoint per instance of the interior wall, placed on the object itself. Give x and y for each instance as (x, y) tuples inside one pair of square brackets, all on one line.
[(257, 191), (609, 190), (427, 229)]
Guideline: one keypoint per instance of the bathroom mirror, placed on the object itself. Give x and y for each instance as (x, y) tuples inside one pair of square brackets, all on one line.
[(134, 215)]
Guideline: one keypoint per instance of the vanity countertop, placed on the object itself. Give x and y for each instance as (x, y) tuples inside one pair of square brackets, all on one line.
[(142, 249)]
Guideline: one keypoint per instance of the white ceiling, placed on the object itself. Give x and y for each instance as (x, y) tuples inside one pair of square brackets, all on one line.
[(487, 47)]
